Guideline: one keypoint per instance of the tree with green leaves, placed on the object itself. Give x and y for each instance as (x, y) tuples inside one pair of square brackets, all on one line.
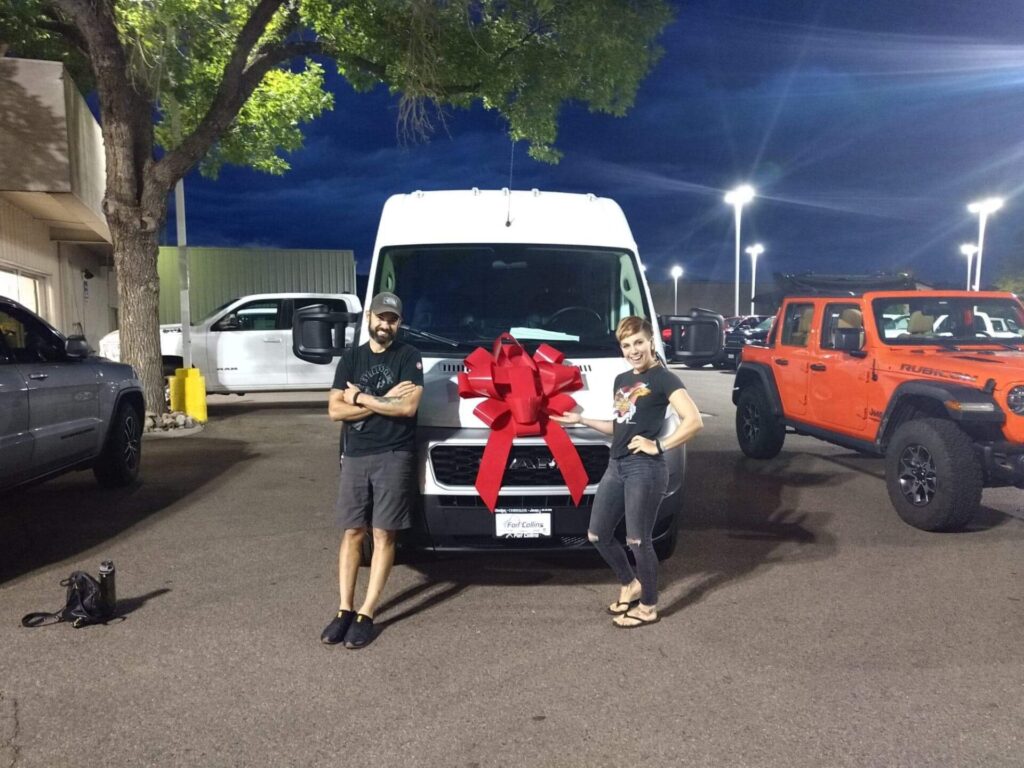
[(182, 83)]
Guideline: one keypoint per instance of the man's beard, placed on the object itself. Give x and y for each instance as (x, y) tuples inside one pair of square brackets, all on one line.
[(383, 335)]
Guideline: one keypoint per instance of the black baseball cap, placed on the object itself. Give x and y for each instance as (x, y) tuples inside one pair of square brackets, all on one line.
[(386, 302)]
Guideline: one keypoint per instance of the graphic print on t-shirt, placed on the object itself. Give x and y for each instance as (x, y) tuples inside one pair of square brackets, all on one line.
[(625, 401), (377, 380)]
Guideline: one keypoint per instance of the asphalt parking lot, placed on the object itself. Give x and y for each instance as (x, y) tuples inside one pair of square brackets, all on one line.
[(803, 623)]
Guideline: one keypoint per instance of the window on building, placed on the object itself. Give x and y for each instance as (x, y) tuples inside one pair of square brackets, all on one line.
[(23, 288)]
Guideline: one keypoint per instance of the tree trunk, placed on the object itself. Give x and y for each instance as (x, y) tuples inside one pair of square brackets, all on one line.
[(135, 256)]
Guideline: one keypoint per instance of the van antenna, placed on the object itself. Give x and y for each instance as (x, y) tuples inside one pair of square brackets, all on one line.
[(511, 165)]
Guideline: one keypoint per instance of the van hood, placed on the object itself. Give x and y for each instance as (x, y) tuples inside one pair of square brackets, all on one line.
[(441, 405)]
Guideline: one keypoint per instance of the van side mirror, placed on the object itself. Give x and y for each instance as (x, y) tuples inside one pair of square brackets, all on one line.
[(693, 338), (229, 322), (318, 335), (76, 348)]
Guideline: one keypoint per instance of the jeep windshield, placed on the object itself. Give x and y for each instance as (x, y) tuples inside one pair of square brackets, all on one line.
[(458, 297), (949, 321)]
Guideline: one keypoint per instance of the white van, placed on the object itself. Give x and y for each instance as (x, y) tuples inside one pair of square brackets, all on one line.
[(545, 267)]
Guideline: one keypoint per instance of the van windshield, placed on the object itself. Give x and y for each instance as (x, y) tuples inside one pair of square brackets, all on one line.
[(569, 297)]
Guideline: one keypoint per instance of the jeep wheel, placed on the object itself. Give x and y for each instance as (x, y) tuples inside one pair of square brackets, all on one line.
[(118, 464), (759, 433), (933, 475)]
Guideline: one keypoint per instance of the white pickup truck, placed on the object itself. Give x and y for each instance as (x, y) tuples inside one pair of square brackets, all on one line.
[(245, 345)]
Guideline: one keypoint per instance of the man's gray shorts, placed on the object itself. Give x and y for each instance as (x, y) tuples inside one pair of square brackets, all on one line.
[(377, 491)]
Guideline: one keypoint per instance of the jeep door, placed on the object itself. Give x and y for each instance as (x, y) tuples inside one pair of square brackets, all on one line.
[(838, 381), (790, 357), (63, 407), (15, 438), (249, 345)]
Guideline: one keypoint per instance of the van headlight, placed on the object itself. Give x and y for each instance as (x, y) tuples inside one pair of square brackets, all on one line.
[(1015, 399)]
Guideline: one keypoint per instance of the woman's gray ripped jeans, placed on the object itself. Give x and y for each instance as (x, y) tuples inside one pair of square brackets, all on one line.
[(632, 486)]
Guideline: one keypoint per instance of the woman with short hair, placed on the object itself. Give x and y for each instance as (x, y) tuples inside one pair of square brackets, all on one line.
[(637, 476)]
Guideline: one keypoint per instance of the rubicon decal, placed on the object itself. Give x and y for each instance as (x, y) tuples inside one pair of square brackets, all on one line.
[(923, 370)]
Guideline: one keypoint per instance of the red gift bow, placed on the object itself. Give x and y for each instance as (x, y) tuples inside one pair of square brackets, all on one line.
[(522, 392)]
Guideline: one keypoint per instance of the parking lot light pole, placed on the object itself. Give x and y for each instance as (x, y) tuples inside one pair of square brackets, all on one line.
[(754, 251), (737, 198), (983, 209), (676, 273), (968, 250)]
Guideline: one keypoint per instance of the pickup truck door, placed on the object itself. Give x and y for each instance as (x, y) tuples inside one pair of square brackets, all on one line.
[(248, 345), (838, 379), (305, 375), (60, 394), (791, 357)]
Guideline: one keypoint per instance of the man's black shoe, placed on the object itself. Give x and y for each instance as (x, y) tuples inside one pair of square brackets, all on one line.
[(360, 633), (335, 632)]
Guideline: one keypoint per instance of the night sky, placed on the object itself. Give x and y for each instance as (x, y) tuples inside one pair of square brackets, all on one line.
[(865, 126)]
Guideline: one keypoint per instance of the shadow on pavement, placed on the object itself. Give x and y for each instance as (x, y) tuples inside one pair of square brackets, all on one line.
[(60, 518), (231, 406)]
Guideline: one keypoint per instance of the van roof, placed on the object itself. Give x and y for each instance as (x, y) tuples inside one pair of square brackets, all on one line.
[(480, 216)]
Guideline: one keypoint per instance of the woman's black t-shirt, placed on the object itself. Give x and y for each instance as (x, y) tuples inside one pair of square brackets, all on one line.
[(640, 403)]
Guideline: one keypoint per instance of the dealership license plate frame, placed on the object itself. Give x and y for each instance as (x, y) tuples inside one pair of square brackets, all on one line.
[(523, 523)]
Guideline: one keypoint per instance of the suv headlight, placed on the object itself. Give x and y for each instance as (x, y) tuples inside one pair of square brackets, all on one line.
[(1015, 399)]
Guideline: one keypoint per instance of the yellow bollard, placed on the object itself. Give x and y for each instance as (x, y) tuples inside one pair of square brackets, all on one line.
[(195, 395), (176, 384)]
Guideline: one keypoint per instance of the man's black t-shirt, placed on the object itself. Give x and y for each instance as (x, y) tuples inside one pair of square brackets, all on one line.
[(375, 374), (640, 402)]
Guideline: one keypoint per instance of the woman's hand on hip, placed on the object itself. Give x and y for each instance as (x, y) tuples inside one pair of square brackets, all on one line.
[(643, 445)]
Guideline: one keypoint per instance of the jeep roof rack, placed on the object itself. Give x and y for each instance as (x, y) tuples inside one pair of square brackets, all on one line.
[(811, 284)]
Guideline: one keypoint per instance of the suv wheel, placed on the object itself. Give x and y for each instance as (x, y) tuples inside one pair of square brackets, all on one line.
[(118, 464), (759, 433), (933, 476)]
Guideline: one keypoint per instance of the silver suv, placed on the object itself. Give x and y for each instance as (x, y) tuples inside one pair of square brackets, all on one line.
[(61, 409)]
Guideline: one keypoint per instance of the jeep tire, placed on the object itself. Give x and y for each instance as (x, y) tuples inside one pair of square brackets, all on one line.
[(118, 463), (933, 475), (759, 433)]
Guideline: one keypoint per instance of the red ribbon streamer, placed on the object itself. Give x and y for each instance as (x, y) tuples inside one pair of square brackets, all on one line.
[(522, 392)]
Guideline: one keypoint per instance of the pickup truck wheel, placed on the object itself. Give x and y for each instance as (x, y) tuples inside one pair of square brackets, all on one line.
[(933, 475), (759, 433), (118, 463)]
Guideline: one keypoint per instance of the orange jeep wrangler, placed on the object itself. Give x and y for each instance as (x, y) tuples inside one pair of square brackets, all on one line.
[(933, 381)]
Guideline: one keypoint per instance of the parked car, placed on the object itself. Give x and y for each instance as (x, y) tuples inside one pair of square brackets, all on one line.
[(744, 333), (695, 340), (244, 345), (942, 402), (62, 409)]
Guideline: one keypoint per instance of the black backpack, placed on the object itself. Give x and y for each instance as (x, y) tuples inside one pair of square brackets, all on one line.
[(85, 604)]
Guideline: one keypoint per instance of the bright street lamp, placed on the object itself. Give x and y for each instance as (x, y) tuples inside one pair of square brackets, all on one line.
[(968, 250), (983, 208), (737, 198), (676, 273), (753, 251)]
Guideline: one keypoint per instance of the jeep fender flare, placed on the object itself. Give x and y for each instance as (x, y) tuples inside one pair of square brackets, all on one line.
[(939, 398), (758, 374)]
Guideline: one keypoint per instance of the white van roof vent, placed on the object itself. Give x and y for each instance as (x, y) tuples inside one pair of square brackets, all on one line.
[(536, 192), (476, 191), (504, 191), (418, 193), (591, 197)]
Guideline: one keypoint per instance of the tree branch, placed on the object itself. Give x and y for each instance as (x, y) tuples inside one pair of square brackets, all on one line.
[(54, 23)]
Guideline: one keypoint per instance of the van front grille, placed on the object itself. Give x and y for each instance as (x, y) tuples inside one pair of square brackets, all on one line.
[(527, 465)]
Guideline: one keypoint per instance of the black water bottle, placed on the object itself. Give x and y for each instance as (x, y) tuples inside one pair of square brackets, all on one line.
[(108, 586)]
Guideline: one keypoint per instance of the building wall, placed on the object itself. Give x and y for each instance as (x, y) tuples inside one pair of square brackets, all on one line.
[(217, 275), (69, 302)]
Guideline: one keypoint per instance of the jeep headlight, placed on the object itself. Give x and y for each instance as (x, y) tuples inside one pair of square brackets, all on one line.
[(1015, 399)]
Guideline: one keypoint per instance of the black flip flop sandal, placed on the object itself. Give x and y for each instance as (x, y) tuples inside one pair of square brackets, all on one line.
[(615, 610), (641, 621)]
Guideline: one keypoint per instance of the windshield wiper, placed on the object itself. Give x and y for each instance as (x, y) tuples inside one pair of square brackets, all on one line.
[(1014, 345), (421, 334)]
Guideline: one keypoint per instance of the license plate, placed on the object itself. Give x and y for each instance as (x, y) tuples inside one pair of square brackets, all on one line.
[(522, 523)]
